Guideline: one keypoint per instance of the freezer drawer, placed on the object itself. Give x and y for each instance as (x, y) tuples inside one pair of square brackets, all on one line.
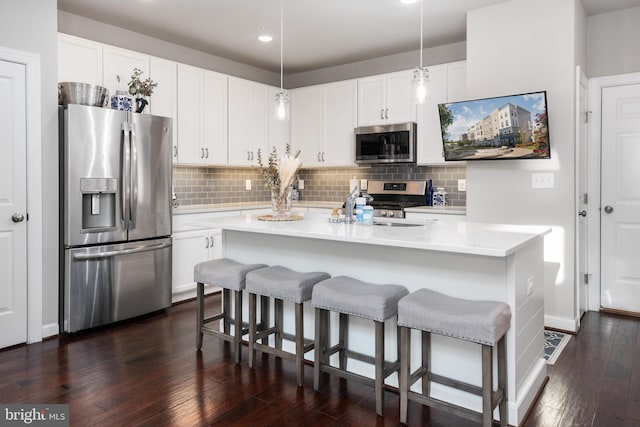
[(108, 283)]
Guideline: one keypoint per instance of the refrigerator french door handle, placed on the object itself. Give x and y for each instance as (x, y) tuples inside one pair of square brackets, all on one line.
[(126, 175), (109, 254), (133, 201)]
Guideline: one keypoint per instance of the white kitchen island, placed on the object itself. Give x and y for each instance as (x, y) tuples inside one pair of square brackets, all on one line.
[(468, 260)]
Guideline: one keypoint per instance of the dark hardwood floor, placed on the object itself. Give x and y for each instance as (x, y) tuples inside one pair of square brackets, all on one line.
[(148, 372)]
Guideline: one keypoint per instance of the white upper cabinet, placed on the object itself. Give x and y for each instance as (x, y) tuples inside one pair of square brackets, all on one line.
[(248, 121), (339, 119), (385, 99), (118, 67), (164, 101), (79, 60), (447, 83), (202, 116), (306, 128), (323, 119)]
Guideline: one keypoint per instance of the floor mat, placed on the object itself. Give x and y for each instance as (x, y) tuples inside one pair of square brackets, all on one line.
[(554, 343)]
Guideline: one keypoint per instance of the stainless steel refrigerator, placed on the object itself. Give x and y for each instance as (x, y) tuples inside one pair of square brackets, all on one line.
[(115, 215)]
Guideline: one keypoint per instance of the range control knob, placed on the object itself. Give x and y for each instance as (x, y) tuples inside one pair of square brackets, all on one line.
[(383, 213), (391, 214)]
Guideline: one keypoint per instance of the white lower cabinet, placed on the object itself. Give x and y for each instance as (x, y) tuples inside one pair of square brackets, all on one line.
[(189, 249), (414, 216)]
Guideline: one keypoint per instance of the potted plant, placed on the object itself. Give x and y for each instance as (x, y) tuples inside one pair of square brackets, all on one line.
[(141, 89)]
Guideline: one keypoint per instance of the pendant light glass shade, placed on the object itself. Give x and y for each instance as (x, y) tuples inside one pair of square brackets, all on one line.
[(420, 73), (282, 98), (282, 105)]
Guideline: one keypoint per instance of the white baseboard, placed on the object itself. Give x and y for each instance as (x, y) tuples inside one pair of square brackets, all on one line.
[(50, 330), (185, 292), (562, 323)]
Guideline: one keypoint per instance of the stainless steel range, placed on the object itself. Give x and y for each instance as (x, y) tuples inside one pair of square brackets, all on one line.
[(390, 198)]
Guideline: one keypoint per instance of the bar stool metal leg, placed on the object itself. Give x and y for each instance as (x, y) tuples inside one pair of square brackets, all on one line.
[(405, 366), (379, 367), (237, 335), (487, 389), (299, 344), (200, 319), (502, 381)]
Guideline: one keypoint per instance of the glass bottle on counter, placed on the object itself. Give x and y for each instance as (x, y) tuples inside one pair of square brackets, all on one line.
[(430, 193)]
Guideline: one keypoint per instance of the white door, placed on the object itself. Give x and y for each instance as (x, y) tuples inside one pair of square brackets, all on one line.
[(582, 171), (620, 198), (13, 205)]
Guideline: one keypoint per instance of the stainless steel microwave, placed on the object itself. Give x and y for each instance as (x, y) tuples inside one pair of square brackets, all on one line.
[(386, 143)]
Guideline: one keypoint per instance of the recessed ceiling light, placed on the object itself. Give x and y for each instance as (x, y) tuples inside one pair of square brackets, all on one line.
[(265, 38), (408, 1)]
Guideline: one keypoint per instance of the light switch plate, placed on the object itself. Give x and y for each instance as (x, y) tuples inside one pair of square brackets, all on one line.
[(462, 185), (542, 180), (247, 184), (301, 184)]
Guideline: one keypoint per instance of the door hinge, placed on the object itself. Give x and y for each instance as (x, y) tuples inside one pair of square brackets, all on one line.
[(587, 114), (585, 199), (586, 278)]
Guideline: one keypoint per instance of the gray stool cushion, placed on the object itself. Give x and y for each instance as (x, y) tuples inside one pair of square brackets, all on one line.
[(483, 322), (224, 272), (347, 295), (281, 283)]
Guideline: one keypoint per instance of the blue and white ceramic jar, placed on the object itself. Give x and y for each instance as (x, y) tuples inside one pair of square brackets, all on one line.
[(121, 101)]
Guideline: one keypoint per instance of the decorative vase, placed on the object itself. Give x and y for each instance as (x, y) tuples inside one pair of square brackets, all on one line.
[(281, 202), (141, 102), (121, 101)]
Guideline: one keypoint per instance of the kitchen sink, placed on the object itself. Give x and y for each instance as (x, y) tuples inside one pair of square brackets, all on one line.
[(397, 224)]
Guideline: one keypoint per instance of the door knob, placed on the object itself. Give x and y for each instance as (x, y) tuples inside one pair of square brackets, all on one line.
[(582, 213), (16, 217), (608, 209)]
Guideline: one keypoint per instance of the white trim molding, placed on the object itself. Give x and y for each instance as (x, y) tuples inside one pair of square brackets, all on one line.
[(595, 146), (33, 97)]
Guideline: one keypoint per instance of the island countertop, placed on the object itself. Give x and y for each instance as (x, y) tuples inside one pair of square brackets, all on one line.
[(495, 240)]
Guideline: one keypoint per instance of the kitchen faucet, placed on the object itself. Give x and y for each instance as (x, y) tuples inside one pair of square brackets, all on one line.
[(349, 203)]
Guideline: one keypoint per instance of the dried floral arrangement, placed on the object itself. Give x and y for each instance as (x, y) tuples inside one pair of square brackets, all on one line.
[(140, 87), (279, 173)]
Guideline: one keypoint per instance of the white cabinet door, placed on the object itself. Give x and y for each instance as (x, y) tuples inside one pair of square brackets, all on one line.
[(189, 249), (339, 118), (429, 143), (164, 101), (248, 121), (79, 60), (457, 81), (447, 83), (118, 65), (214, 126), (399, 106), (385, 99), (306, 118), (371, 101), (190, 101)]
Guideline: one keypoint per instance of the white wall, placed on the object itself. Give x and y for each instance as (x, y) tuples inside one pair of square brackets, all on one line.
[(386, 64), (612, 40), (104, 33), (497, 64), (31, 26)]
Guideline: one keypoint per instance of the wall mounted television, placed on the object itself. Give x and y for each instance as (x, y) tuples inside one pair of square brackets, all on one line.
[(498, 128)]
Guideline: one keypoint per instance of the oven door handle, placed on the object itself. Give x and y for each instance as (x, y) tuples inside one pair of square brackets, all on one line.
[(109, 254)]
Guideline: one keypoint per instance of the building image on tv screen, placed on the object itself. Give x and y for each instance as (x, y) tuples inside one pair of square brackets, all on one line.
[(505, 127)]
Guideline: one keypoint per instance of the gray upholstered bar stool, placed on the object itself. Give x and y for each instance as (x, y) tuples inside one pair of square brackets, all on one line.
[(281, 284), (352, 297), (230, 275), (482, 322)]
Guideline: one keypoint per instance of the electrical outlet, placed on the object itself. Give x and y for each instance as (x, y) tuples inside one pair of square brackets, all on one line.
[(542, 180), (301, 184), (462, 185), (530, 285), (247, 184), (363, 184)]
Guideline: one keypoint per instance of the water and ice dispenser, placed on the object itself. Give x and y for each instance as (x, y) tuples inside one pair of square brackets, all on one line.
[(98, 203)]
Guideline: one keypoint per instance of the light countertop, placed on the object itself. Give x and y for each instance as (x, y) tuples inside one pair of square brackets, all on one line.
[(496, 240), (223, 207)]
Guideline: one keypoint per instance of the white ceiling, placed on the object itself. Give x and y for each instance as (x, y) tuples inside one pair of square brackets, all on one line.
[(317, 33)]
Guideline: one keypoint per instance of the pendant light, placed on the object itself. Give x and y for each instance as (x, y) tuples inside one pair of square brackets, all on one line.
[(282, 98), (420, 74)]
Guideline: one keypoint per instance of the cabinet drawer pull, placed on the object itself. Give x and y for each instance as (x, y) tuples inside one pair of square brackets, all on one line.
[(206, 150), (386, 113), (382, 113), (175, 151), (207, 239)]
